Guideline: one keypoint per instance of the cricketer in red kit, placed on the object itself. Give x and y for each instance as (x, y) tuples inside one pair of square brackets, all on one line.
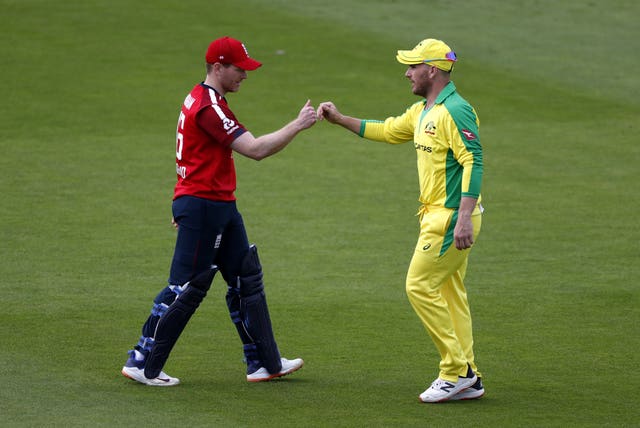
[(204, 169), (211, 232)]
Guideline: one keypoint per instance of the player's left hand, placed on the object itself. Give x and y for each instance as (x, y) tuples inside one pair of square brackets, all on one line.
[(463, 234)]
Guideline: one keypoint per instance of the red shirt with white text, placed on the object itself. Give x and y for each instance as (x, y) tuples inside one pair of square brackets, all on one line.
[(204, 159)]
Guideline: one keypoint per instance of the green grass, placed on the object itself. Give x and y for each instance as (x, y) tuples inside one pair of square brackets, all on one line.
[(90, 96)]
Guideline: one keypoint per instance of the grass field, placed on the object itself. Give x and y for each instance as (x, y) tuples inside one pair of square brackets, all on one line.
[(90, 95)]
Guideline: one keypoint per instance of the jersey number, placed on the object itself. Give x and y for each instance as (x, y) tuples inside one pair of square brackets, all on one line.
[(179, 136)]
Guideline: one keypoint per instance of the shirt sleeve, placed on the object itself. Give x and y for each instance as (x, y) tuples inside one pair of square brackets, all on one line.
[(221, 125), (393, 130), (465, 141)]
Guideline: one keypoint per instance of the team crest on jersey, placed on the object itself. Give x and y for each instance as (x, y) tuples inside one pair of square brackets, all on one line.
[(469, 135), (430, 129)]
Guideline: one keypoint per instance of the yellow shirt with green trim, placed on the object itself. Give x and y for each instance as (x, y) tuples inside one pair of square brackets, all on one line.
[(447, 145)]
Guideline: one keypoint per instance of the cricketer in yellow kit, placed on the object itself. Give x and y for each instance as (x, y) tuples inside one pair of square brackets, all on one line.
[(444, 130)]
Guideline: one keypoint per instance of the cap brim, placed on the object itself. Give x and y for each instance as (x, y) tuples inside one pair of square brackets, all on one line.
[(408, 57), (248, 64)]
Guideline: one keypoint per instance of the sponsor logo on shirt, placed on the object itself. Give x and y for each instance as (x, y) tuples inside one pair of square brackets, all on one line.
[(469, 135), (422, 147), (229, 125)]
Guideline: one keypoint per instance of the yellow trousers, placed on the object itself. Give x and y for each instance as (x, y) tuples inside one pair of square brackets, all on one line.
[(435, 287)]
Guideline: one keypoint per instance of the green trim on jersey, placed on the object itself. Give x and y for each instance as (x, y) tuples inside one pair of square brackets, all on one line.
[(363, 125), (465, 119), (448, 236), (453, 181)]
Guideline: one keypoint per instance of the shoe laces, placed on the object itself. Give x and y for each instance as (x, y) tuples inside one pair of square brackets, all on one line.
[(439, 383)]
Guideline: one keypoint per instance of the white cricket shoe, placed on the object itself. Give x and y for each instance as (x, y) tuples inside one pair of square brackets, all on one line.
[(443, 390), (134, 369), (137, 374), (288, 367), (474, 391)]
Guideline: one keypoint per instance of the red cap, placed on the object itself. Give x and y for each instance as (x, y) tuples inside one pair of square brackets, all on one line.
[(227, 50)]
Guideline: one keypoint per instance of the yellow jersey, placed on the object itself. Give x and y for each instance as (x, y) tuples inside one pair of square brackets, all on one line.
[(447, 144)]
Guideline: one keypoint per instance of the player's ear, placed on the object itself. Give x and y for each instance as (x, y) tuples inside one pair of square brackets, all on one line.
[(215, 67)]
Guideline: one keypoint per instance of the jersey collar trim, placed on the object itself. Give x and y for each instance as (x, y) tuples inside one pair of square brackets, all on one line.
[(446, 91)]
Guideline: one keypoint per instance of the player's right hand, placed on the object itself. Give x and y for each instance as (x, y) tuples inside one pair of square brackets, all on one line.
[(327, 110)]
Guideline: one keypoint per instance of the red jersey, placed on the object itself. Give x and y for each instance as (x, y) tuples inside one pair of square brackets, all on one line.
[(204, 159)]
